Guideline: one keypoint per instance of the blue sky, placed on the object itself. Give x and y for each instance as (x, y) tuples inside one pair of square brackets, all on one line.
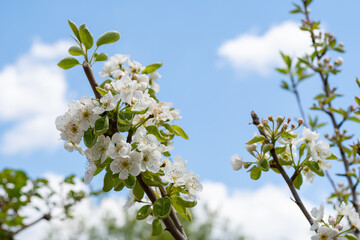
[(215, 96)]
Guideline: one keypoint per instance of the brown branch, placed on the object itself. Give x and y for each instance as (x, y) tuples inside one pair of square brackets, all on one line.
[(177, 233), (332, 117), (288, 181), (45, 216)]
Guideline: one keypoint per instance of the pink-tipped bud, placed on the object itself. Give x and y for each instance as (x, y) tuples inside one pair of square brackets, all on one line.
[(326, 60), (107, 86), (293, 126), (265, 121), (352, 108), (319, 63), (289, 119), (340, 184), (339, 227), (285, 125), (331, 66), (271, 118), (300, 121), (332, 221)]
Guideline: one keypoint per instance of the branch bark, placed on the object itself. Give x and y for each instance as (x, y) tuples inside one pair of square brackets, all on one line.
[(176, 230)]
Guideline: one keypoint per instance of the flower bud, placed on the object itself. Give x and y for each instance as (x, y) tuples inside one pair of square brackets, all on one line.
[(319, 63), (340, 184), (352, 108), (327, 60), (331, 66), (279, 120), (339, 227), (107, 86), (236, 162), (293, 126), (289, 119), (285, 125), (332, 221), (271, 118), (265, 121), (339, 61), (300, 121), (250, 148)]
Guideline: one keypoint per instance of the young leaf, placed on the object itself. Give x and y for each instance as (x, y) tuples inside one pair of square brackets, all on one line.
[(108, 37), (152, 68), (75, 29), (298, 181), (68, 63), (90, 138), (156, 227), (255, 173), (143, 212), (264, 165), (108, 182), (86, 37), (138, 191), (102, 57), (101, 125), (179, 131), (257, 138), (75, 51), (350, 236), (162, 208)]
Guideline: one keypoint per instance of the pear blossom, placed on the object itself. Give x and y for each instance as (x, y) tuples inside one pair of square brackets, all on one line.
[(236, 162), (125, 165), (108, 103), (118, 146), (310, 136), (99, 150), (318, 214), (193, 185), (69, 127), (126, 87), (326, 233), (151, 160), (90, 170), (176, 172)]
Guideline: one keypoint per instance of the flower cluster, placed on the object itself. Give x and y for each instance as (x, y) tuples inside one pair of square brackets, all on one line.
[(127, 131), (304, 153), (333, 228)]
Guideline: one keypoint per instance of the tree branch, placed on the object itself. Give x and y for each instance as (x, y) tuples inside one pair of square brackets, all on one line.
[(177, 233), (45, 216), (288, 181)]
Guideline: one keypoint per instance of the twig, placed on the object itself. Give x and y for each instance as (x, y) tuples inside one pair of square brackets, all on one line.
[(288, 181), (45, 216), (178, 234)]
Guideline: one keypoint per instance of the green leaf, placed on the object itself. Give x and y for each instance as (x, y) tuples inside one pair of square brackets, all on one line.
[(86, 37), (152, 94), (119, 186), (123, 127), (332, 157), (138, 191), (298, 181), (152, 179), (108, 182), (102, 57), (162, 208), (355, 119), (314, 166), (358, 83), (179, 131), (181, 201), (181, 206), (75, 29), (257, 138), (155, 131), (286, 59), (302, 149), (90, 138), (101, 125), (143, 212), (264, 165), (267, 147), (75, 51), (282, 70), (108, 37), (350, 236), (255, 173), (284, 85), (130, 181), (140, 112), (125, 117), (156, 227), (357, 100), (102, 91), (152, 68), (288, 135), (280, 150), (68, 63)]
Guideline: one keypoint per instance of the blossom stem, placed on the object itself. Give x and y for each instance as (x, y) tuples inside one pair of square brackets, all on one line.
[(287, 179), (177, 233)]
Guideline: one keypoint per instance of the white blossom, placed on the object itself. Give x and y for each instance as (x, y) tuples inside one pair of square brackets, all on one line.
[(118, 146), (99, 150), (193, 185), (125, 165), (176, 172), (108, 103), (236, 162)]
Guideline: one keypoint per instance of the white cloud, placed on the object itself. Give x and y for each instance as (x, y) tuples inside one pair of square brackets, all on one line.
[(32, 95), (251, 52), (263, 214)]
